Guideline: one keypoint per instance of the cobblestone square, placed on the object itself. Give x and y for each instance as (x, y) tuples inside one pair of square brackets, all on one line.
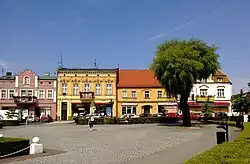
[(115, 144)]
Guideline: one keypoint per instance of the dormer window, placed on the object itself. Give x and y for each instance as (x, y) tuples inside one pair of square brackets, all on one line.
[(219, 79), (26, 80)]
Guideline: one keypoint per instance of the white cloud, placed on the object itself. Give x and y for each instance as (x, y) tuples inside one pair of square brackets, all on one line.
[(4, 64), (192, 21)]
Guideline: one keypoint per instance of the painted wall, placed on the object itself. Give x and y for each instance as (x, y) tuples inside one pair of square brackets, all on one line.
[(80, 78), (140, 99), (7, 85)]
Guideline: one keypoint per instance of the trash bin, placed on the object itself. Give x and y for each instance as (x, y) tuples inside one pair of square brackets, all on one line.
[(221, 137)]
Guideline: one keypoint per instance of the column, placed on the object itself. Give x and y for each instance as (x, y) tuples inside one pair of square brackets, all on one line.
[(69, 110), (59, 109), (92, 107)]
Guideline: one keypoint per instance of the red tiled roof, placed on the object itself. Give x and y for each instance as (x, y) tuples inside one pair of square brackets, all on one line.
[(137, 79)]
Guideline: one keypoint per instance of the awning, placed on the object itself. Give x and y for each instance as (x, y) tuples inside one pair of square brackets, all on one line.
[(194, 104), (221, 104), (167, 103), (129, 104)]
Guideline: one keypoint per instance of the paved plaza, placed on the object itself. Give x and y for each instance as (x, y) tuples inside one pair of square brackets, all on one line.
[(116, 144)]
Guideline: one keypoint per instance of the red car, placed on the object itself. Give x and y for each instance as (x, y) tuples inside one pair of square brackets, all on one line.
[(193, 116)]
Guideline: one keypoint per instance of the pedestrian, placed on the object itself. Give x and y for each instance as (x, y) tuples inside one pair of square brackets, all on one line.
[(91, 122)]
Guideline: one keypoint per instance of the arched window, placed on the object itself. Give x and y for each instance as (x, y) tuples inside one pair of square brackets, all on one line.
[(26, 80)]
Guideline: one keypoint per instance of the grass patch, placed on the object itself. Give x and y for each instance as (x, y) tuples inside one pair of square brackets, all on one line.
[(235, 152), (7, 139)]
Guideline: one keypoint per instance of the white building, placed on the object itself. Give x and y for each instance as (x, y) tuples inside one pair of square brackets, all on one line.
[(217, 90)]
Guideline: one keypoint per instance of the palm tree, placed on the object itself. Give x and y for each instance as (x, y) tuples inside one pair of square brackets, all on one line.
[(178, 64)]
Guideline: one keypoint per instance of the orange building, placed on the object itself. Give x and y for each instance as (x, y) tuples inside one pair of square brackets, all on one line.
[(139, 92)]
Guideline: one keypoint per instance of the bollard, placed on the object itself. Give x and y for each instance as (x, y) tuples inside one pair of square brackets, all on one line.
[(221, 137), (35, 146)]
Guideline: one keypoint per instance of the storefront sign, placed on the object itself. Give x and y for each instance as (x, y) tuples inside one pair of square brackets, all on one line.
[(129, 104)]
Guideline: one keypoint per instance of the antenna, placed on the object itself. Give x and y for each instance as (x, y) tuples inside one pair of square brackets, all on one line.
[(61, 61), (2, 71), (95, 65)]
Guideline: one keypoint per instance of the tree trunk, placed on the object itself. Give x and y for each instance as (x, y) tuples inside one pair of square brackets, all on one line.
[(185, 110)]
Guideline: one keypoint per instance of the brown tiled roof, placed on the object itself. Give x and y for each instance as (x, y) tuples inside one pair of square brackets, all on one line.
[(220, 75), (137, 79)]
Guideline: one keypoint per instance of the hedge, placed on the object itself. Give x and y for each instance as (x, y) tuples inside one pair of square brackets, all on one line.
[(10, 145), (10, 122), (141, 120), (230, 123), (235, 152)]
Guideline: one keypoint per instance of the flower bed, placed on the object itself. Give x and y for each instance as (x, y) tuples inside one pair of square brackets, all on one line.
[(140, 120), (235, 152), (11, 145)]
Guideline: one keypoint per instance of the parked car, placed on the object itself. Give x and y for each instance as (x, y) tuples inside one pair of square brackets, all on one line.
[(193, 116), (129, 116), (96, 115)]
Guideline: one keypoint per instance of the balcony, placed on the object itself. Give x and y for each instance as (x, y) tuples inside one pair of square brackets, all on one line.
[(25, 99), (205, 98), (87, 96)]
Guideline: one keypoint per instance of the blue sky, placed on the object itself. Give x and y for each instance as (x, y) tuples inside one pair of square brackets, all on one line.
[(34, 33)]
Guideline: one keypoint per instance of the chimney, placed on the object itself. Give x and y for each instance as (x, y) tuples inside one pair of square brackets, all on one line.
[(46, 74)]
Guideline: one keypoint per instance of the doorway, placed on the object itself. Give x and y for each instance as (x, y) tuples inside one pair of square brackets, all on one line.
[(146, 109), (64, 111)]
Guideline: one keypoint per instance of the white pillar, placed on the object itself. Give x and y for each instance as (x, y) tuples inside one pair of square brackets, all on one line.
[(16, 81), (36, 81), (36, 147)]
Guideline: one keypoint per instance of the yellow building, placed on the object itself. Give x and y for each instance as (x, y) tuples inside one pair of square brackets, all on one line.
[(85, 91), (139, 92)]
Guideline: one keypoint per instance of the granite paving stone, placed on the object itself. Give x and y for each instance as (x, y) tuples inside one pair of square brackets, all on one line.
[(115, 144)]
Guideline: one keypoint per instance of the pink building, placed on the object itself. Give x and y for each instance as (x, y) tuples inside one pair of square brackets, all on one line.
[(36, 95)]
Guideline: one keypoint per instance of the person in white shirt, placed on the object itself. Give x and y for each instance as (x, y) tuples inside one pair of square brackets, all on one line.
[(91, 122)]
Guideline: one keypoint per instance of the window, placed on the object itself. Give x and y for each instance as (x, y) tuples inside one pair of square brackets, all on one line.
[(203, 92), (124, 93), (146, 94), (128, 110), (11, 93), (50, 94), (133, 94), (64, 88), (4, 94), (30, 93), (168, 95), (23, 93), (159, 94), (26, 80), (109, 89), (220, 93), (98, 89), (219, 79), (41, 94), (75, 89), (86, 87)]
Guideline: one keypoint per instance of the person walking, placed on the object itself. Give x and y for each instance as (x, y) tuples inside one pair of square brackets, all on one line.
[(91, 122)]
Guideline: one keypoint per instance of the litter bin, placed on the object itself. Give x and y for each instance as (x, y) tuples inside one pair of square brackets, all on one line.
[(221, 137)]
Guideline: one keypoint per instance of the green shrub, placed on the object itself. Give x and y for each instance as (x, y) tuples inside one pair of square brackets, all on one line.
[(10, 145), (230, 123), (140, 120), (235, 152), (10, 122)]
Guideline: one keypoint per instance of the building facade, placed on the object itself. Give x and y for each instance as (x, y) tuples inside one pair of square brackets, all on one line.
[(140, 93), (216, 90), (35, 95), (85, 91)]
